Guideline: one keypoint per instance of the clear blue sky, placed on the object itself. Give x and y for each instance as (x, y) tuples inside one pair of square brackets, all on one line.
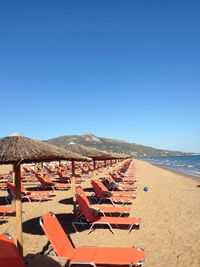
[(122, 69)]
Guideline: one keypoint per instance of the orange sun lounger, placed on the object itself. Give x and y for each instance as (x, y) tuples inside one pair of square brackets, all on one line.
[(46, 183), (29, 195), (9, 255), (92, 256), (107, 195), (103, 209), (5, 212), (116, 192), (120, 185), (94, 220), (124, 179)]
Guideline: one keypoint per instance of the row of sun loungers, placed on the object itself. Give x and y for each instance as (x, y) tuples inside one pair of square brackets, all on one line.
[(96, 218), (118, 188)]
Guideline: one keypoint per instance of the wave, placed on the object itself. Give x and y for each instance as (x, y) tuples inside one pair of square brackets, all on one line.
[(185, 164)]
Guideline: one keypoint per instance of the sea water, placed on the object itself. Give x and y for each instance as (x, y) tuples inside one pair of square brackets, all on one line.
[(185, 164)]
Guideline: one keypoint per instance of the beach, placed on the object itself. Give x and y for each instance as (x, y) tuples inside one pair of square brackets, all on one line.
[(169, 210)]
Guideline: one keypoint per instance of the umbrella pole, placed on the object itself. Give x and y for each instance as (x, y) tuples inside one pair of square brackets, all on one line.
[(94, 171), (73, 187), (18, 203)]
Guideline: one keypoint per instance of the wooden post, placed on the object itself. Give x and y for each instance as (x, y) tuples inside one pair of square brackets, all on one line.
[(18, 203), (94, 172), (94, 165), (74, 187)]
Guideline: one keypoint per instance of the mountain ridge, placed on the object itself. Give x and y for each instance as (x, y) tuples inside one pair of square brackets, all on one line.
[(114, 145)]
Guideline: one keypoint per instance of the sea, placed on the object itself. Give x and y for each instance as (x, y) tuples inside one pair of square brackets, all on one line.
[(184, 164)]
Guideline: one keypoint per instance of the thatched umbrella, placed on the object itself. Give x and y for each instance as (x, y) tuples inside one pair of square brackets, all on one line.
[(86, 151), (17, 150), (120, 156)]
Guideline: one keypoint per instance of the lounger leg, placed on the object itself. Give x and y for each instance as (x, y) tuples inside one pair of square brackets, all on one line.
[(82, 264), (29, 200), (112, 202), (130, 229), (73, 224), (50, 251), (91, 228), (111, 229), (99, 201)]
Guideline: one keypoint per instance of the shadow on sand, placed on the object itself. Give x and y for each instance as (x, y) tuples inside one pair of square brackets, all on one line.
[(3, 201), (33, 227), (88, 189), (66, 201), (33, 260)]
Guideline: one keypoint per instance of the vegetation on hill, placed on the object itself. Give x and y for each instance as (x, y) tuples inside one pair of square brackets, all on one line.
[(112, 145)]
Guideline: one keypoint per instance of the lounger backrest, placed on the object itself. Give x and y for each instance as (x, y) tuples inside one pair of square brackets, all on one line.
[(12, 188), (102, 186), (46, 178), (27, 169), (111, 179), (23, 188), (59, 173), (85, 208), (48, 169), (41, 180), (9, 255), (80, 191), (97, 189), (34, 172), (56, 235)]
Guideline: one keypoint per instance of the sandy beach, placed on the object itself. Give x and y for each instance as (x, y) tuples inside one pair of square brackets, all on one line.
[(170, 213)]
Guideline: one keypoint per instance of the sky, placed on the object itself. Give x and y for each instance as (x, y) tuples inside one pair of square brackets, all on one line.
[(124, 69)]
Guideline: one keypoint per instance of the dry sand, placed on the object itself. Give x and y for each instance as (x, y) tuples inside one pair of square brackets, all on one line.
[(170, 213)]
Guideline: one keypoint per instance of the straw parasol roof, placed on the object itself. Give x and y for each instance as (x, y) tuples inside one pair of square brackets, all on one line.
[(121, 156), (95, 154), (18, 149), (25, 150)]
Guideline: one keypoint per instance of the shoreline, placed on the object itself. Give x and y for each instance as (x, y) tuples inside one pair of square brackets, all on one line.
[(186, 175)]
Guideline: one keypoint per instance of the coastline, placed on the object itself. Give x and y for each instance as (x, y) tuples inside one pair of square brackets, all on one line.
[(196, 178)]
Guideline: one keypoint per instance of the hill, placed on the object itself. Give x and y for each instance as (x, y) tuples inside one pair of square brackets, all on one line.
[(113, 145)]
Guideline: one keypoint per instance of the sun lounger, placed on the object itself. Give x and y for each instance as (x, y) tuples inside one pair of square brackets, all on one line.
[(63, 176), (115, 192), (109, 210), (29, 195), (123, 179), (5, 212), (9, 255), (27, 169), (46, 183), (49, 170), (113, 185), (107, 195), (125, 189), (90, 256), (96, 219)]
